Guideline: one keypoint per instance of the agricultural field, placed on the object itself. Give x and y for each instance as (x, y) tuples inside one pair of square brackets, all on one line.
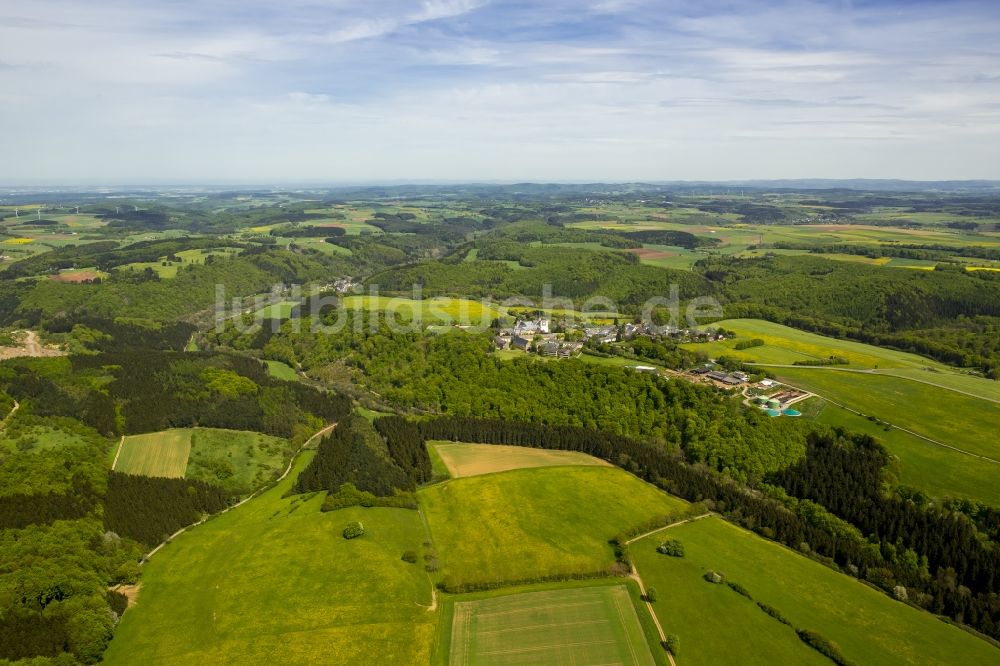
[(713, 622), (155, 454), (273, 581), (593, 625), (79, 275), (440, 310), (530, 523), (463, 460)]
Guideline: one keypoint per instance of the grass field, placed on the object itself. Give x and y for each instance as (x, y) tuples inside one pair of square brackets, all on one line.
[(273, 581), (279, 310), (237, 460), (946, 416), (282, 371), (431, 311), (464, 460), (168, 269), (786, 345), (529, 523), (588, 625), (714, 623), (162, 453), (939, 472)]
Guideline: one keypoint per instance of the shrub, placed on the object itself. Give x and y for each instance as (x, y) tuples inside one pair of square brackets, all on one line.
[(410, 556), (651, 594), (773, 612), (714, 576), (739, 589), (673, 643), (354, 530), (900, 593), (823, 646), (671, 547)]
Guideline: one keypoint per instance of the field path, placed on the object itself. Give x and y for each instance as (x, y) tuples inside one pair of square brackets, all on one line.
[(10, 415), (875, 371), (634, 575), (288, 469), (891, 425), (121, 443), (667, 527), (430, 537)]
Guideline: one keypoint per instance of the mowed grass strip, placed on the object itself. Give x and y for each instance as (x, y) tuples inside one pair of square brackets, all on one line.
[(162, 453), (714, 623), (589, 625), (274, 582), (531, 523), (474, 459)]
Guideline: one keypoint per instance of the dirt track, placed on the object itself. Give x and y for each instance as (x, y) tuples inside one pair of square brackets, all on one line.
[(30, 346)]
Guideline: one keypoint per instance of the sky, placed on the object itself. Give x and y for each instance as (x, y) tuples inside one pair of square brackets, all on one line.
[(330, 91)]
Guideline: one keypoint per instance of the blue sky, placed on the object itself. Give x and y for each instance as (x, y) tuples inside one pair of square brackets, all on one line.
[(336, 91)]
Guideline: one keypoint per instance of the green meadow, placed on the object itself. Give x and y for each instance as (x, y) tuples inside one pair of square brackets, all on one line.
[(714, 623), (946, 416), (274, 581), (786, 345), (530, 523), (938, 471)]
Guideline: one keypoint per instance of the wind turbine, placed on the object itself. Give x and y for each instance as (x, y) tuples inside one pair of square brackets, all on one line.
[(16, 214), (39, 211), (77, 210)]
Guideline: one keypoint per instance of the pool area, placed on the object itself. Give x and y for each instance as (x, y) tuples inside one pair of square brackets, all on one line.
[(791, 412), (772, 412)]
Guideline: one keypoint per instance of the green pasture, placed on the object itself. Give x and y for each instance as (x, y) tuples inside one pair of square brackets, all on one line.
[(938, 471), (714, 623), (273, 581), (946, 416), (529, 523), (786, 345), (167, 269), (279, 310)]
